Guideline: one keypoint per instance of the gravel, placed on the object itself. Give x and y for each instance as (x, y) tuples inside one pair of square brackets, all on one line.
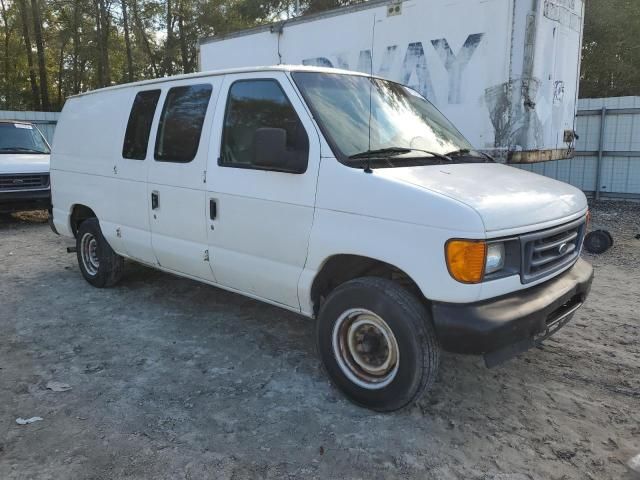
[(622, 221)]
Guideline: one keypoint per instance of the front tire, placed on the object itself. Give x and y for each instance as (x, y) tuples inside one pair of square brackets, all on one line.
[(377, 343), (99, 264)]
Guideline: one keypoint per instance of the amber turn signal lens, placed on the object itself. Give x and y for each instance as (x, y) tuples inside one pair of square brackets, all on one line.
[(465, 260)]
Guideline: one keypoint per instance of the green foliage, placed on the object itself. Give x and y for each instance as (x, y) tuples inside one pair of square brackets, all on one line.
[(86, 46), (611, 49)]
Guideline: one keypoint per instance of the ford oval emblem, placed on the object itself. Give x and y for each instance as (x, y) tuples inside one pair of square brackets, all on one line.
[(562, 249), (18, 181)]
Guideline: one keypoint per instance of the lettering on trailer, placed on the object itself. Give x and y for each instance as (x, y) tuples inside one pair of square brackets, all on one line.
[(415, 71)]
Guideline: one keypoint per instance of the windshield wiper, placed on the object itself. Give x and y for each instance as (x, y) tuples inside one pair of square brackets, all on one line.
[(393, 151), (470, 153), (20, 149), (380, 152)]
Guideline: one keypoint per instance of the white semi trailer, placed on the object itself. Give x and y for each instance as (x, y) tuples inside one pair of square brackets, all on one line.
[(506, 72)]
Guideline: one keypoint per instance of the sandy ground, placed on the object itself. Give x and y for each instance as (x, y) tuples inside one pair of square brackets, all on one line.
[(173, 379)]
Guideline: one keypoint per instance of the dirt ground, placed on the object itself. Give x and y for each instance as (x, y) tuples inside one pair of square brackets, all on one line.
[(173, 379)]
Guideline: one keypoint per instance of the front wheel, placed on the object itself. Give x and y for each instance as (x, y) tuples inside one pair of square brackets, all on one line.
[(99, 264), (377, 343)]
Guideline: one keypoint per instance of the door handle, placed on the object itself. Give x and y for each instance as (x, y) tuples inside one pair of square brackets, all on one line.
[(213, 209), (155, 200)]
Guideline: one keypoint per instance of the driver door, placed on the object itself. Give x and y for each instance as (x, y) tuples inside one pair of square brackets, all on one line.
[(260, 215)]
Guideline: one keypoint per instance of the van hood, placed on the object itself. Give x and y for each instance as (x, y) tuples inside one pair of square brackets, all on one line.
[(12, 163), (505, 197)]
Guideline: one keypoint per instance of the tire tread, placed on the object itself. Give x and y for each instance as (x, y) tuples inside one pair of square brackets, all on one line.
[(421, 324), (111, 264)]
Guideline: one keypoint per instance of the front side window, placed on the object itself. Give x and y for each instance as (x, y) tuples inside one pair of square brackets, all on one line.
[(21, 138), (262, 130), (136, 138), (360, 114), (181, 123)]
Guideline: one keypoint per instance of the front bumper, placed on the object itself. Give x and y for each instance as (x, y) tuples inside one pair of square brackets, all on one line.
[(16, 201), (503, 327)]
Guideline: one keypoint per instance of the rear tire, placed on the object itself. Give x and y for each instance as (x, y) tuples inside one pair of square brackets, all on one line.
[(99, 264), (377, 343)]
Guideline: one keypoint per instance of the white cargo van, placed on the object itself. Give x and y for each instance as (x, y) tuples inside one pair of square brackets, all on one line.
[(344, 197)]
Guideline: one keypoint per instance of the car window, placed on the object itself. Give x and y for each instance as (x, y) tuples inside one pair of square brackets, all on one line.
[(139, 126), (254, 105), (181, 123), (21, 138)]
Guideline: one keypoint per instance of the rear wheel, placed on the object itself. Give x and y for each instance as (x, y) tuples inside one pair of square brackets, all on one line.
[(377, 343), (99, 264)]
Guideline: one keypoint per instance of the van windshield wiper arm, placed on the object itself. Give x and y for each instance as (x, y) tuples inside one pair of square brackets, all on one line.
[(20, 149), (471, 153), (380, 152), (392, 151)]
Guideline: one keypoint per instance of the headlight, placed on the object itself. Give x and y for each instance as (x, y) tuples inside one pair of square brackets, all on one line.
[(469, 261), (495, 258)]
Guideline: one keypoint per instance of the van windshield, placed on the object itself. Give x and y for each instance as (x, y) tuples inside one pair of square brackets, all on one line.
[(404, 125), (21, 138)]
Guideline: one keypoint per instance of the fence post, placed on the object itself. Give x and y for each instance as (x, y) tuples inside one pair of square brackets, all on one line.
[(603, 119)]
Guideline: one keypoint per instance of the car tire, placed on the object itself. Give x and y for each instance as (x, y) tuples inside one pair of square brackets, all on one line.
[(377, 343), (99, 264), (598, 241)]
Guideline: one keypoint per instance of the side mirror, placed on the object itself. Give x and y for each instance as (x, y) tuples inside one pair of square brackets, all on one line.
[(270, 148)]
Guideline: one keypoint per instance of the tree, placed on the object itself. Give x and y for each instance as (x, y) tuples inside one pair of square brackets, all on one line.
[(127, 41), (75, 29), (35, 92), (182, 36), (6, 53), (168, 44), (42, 66), (144, 38), (611, 49)]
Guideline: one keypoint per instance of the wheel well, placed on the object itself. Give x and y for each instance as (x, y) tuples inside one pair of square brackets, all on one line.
[(79, 214), (342, 268)]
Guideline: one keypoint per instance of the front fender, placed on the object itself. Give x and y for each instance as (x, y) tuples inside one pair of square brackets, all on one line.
[(415, 249)]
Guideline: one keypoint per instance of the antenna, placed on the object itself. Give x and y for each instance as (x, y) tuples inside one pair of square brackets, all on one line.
[(279, 29), (373, 38)]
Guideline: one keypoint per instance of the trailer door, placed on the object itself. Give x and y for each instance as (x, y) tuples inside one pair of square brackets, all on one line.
[(558, 39)]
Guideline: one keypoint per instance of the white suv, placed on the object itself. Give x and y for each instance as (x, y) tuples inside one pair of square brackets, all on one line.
[(344, 197), (24, 167)]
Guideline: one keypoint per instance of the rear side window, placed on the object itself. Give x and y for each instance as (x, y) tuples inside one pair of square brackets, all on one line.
[(181, 122), (254, 105), (137, 137)]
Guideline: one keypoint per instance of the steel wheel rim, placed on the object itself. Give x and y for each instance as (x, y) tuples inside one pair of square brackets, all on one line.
[(365, 348), (89, 254)]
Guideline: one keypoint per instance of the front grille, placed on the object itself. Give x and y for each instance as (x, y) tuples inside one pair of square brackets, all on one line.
[(548, 251), (24, 181)]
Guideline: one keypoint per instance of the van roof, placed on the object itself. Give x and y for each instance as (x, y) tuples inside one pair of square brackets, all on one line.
[(212, 73)]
